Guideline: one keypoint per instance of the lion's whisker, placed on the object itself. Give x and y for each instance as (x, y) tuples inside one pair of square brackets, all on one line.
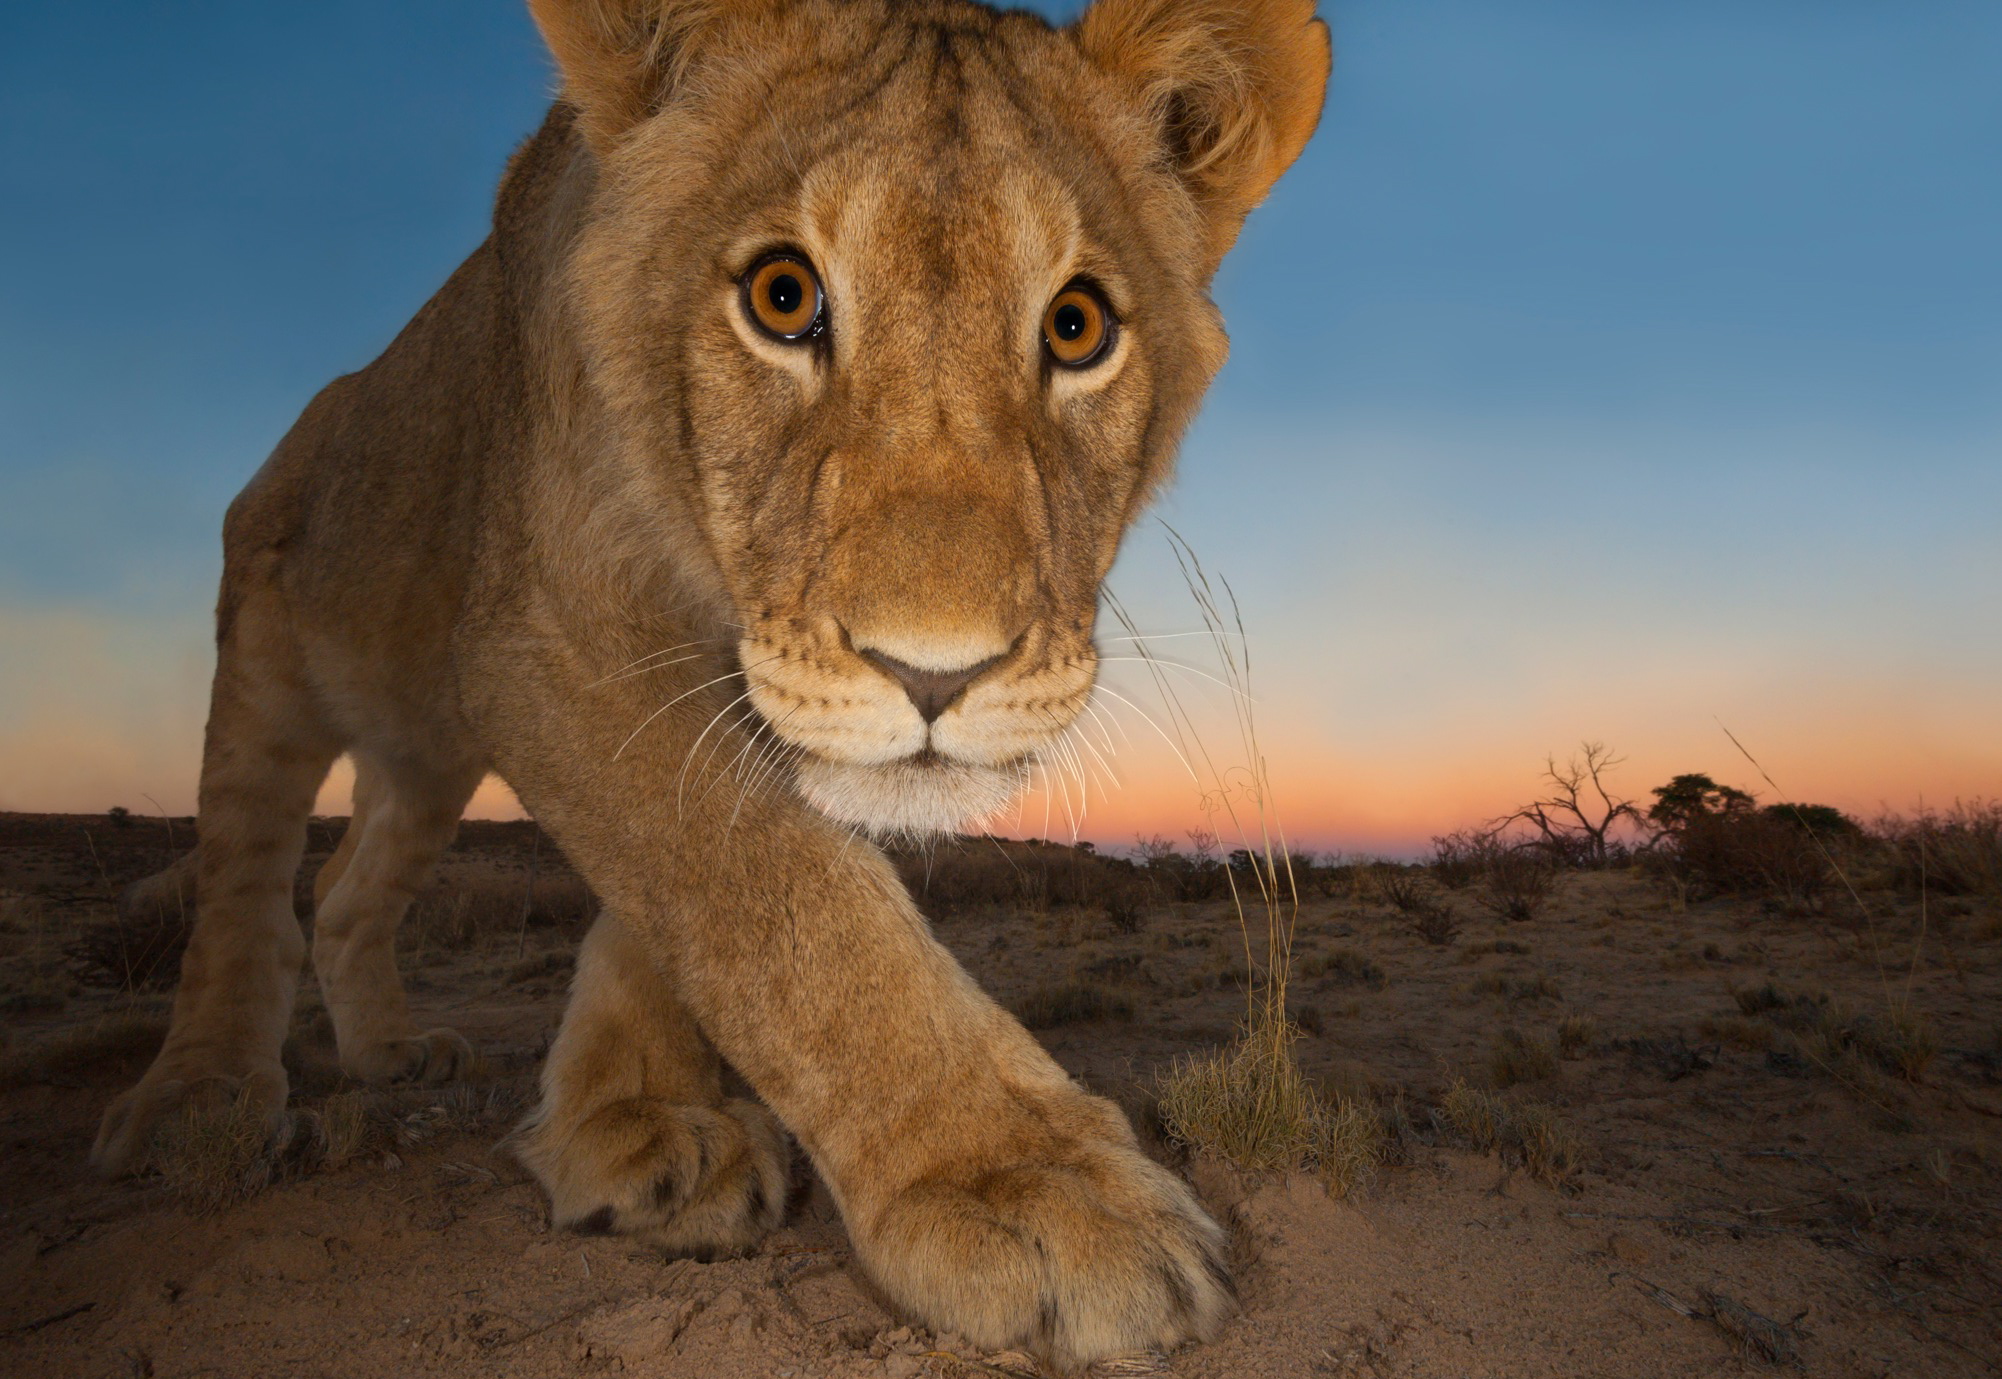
[(628, 672), (1105, 724), (1148, 719), (1177, 665), (685, 694), (681, 783), (1089, 746), (620, 673), (665, 707)]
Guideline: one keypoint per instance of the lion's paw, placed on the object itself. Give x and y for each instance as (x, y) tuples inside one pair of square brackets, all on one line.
[(689, 1180), (1102, 1254), (125, 1135), (439, 1055)]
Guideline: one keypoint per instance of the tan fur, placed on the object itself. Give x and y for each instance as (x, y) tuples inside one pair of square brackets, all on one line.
[(583, 526)]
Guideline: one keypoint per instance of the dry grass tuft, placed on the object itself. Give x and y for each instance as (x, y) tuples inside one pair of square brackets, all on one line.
[(1261, 1114), (1354, 1140), (214, 1153), (1518, 1057), (1575, 1033), (473, 909), (1528, 1133), (1244, 1103), (1550, 1151), (1898, 1041), (344, 1130), (1348, 965), (1474, 1115)]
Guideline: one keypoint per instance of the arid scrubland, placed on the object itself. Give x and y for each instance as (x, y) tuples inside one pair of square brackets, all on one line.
[(1726, 1103)]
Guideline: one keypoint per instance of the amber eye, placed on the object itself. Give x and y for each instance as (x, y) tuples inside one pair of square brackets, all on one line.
[(783, 297), (1077, 326)]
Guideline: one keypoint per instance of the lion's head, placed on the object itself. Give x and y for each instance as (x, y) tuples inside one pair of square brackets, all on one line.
[(906, 303)]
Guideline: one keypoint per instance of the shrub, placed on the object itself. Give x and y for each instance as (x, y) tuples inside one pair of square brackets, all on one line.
[(1515, 882), (1456, 858), (1435, 924), (1956, 853), (1401, 887), (1126, 906), (1752, 854), (958, 875)]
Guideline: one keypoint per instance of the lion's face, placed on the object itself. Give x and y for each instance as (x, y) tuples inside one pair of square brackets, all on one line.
[(907, 306)]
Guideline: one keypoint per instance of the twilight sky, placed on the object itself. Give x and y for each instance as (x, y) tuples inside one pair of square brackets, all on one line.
[(1603, 370)]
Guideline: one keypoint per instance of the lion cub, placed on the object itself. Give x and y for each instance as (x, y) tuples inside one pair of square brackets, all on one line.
[(750, 489)]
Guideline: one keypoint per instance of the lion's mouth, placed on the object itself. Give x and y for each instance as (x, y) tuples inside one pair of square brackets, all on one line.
[(923, 794)]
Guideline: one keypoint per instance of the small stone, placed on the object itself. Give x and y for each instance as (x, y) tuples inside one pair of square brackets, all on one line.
[(1628, 1250)]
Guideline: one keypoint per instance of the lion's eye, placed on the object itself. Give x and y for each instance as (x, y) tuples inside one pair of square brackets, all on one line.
[(783, 297), (1077, 326)]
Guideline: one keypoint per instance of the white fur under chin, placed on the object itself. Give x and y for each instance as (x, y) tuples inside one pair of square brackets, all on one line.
[(907, 798)]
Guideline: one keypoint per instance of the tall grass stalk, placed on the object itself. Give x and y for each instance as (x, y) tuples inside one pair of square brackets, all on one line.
[(1249, 1102)]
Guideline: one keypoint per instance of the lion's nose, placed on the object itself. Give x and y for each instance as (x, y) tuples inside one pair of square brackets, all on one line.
[(931, 690)]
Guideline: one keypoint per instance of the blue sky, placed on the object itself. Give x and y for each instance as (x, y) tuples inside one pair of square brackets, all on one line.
[(1602, 370)]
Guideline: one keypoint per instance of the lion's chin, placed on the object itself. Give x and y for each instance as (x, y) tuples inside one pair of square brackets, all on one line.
[(909, 798)]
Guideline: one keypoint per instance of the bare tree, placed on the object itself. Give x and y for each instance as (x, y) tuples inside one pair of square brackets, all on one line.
[(1576, 817)]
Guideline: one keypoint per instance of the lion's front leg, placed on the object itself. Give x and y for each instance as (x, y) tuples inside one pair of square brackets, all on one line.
[(633, 1134), (984, 1190)]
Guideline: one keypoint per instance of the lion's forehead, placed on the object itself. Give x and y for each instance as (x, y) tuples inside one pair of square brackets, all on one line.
[(880, 235)]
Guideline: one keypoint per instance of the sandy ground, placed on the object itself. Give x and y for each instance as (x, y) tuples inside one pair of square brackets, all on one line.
[(1722, 1169)]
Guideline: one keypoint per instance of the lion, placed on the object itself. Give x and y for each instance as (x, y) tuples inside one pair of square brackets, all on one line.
[(744, 499)]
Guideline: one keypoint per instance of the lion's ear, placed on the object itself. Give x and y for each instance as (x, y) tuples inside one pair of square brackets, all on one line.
[(1234, 86), (621, 58)]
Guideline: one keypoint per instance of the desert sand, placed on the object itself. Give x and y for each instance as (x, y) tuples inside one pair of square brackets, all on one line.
[(1738, 1202)]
